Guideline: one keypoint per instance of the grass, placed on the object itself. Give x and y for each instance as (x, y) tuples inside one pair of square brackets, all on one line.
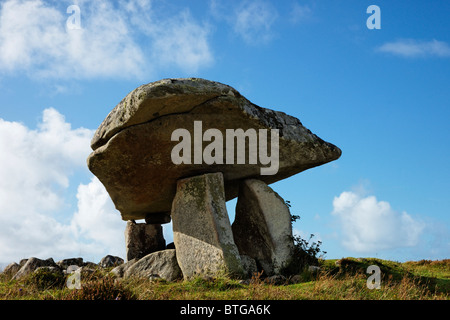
[(415, 280)]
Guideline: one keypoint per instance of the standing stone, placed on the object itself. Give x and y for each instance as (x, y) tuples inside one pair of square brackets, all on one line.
[(262, 227), (201, 228), (142, 239)]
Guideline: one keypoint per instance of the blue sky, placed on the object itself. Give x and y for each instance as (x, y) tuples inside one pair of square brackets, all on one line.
[(381, 95)]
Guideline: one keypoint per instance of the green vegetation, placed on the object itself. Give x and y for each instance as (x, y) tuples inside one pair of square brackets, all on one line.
[(338, 279)]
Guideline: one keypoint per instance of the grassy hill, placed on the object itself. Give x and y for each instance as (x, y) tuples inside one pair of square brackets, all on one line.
[(337, 279)]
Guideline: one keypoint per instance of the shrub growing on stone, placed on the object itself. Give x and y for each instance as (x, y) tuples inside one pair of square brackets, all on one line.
[(306, 252)]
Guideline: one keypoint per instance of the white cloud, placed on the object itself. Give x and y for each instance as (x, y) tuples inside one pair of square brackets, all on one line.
[(97, 220), (182, 42), (36, 167), (115, 40), (33, 38), (299, 13), (369, 225), (252, 20), (413, 48)]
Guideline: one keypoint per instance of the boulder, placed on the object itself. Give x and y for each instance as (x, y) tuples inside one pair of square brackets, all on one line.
[(142, 239), (160, 264), (85, 272), (262, 227), (90, 264), (314, 269), (133, 146), (120, 270), (11, 269), (110, 261), (31, 265), (71, 269), (201, 228), (65, 263), (297, 278)]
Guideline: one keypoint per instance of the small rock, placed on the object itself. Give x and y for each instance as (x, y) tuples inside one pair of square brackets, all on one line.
[(110, 261), (245, 282), (154, 277), (313, 269), (65, 263), (296, 279), (276, 280)]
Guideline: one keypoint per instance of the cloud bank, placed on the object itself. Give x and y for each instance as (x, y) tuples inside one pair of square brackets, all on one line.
[(369, 225), (124, 39), (36, 219), (251, 20)]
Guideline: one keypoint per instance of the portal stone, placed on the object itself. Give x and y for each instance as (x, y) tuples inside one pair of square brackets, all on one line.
[(262, 228), (142, 239)]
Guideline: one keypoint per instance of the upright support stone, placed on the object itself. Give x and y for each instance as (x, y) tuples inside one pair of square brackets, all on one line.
[(262, 226), (201, 228), (142, 239)]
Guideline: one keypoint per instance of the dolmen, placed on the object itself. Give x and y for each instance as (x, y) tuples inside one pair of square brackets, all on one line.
[(178, 149)]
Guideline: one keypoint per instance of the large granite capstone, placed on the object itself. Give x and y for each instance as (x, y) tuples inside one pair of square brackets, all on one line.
[(133, 145)]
